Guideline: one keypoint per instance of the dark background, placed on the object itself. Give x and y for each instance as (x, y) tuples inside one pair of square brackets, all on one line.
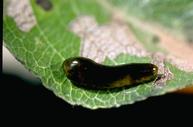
[(24, 100)]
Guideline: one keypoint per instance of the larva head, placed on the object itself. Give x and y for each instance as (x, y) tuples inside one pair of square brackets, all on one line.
[(75, 68)]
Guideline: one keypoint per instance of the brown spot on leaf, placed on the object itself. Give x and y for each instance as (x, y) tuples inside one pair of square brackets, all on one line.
[(45, 4), (155, 39)]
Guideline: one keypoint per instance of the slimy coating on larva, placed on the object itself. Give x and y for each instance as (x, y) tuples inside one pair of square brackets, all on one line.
[(88, 74)]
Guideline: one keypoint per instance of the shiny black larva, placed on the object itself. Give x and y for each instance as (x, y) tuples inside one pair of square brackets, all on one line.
[(88, 74)]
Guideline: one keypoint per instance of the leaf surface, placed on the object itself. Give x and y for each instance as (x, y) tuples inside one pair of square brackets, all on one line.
[(44, 47)]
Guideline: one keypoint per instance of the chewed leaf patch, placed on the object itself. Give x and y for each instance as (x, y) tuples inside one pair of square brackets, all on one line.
[(110, 40), (21, 12)]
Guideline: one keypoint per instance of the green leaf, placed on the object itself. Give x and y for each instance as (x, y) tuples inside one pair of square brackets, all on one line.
[(175, 14), (43, 48)]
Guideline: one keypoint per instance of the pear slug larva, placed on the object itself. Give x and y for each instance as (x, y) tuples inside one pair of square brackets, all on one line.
[(84, 72)]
